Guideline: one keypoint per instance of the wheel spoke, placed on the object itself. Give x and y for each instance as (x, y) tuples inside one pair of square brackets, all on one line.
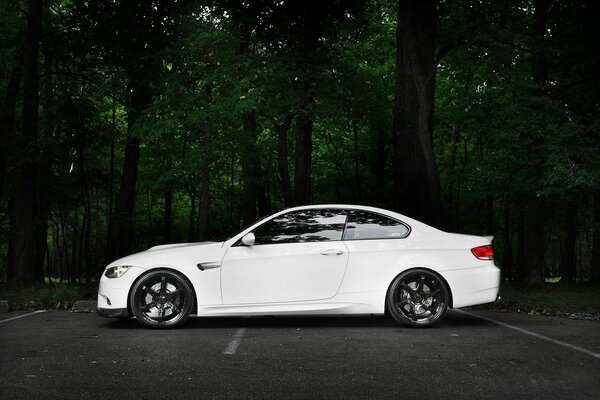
[(413, 314), (163, 284), (174, 308), (149, 291), (162, 313), (432, 309), (420, 283), (402, 303), (432, 293), (148, 306), (407, 288), (174, 293)]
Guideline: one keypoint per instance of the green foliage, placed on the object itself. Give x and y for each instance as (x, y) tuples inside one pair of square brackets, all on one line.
[(553, 299), (512, 138), (170, 73), (52, 296)]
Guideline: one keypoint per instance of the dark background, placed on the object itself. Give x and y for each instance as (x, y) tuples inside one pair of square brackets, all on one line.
[(127, 124)]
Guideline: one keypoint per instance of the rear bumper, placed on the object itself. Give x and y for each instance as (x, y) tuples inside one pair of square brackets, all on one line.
[(113, 312), (473, 286)]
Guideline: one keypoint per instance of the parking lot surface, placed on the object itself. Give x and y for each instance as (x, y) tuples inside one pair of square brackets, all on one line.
[(472, 355)]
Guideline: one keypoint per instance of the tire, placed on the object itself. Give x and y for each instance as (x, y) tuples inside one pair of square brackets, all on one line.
[(418, 298), (162, 299)]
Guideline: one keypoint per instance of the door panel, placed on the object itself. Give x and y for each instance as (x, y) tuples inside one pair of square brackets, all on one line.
[(283, 272)]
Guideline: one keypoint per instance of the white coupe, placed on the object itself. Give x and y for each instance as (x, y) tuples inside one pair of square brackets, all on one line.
[(311, 260)]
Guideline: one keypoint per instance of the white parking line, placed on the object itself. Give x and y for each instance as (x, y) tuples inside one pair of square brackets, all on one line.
[(235, 342), (536, 335), (22, 316)]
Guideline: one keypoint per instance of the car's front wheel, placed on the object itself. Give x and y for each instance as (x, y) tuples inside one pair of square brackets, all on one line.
[(162, 299), (417, 297)]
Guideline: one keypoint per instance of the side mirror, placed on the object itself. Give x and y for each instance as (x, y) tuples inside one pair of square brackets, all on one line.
[(249, 239)]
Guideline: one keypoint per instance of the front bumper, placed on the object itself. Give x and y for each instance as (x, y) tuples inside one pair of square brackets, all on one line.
[(113, 312), (113, 293)]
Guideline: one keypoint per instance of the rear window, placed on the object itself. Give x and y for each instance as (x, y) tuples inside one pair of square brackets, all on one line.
[(364, 225)]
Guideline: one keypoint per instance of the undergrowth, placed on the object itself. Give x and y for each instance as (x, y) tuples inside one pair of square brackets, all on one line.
[(51, 296), (577, 300)]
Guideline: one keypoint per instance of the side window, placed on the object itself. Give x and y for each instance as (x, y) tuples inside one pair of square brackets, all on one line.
[(363, 225), (302, 226)]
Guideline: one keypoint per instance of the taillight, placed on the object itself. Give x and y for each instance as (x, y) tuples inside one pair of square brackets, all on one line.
[(483, 252)]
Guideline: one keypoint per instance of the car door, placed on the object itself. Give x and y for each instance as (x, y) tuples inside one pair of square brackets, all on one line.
[(378, 245), (298, 256)]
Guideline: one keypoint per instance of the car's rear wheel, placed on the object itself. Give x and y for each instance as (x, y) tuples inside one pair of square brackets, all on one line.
[(162, 299), (418, 297)]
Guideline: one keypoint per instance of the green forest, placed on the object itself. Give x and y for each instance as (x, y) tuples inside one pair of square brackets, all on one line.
[(131, 123)]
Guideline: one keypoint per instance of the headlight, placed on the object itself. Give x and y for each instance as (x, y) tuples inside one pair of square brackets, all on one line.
[(116, 272)]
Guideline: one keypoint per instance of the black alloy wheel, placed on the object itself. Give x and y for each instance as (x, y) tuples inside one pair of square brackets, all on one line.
[(417, 298), (162, 299)]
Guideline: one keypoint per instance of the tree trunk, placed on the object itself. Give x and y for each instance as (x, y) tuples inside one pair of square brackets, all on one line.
[(507, 259), (87, 240), (357, 185), (380, 163), (12, 227), (8, 116), (533, 258), (168, 221), (249, 167), (489, 214), (307, 44), (450, 164), (568, 244), (302, 181), (25, 267), (192, 218), (111, 173), (205, 195), (261, 194), (139, 94), (282, 159), (416, 181), (595, 274), (42, 199), (7, 130), (453, 148), (121, 235), (230, 189)]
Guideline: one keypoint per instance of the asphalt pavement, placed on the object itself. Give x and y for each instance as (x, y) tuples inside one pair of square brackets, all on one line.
[(473, 355)]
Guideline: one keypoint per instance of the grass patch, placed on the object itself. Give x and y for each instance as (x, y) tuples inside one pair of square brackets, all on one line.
[(52, 296), (577, 301)]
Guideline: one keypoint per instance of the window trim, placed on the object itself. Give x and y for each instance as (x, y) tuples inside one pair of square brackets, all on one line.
[(408, 227), (239, 243)]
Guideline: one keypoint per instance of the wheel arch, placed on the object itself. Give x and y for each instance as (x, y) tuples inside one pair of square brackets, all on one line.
[(434, 272), (164, 268)]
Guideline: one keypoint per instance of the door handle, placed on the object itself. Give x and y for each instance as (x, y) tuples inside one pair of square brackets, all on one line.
[(332, 252)]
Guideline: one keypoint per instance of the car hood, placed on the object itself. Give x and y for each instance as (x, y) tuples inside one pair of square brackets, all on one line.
[(168, 253), (199, 245)]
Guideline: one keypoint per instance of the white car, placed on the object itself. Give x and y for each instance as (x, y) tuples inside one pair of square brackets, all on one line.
[(311, 260)]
